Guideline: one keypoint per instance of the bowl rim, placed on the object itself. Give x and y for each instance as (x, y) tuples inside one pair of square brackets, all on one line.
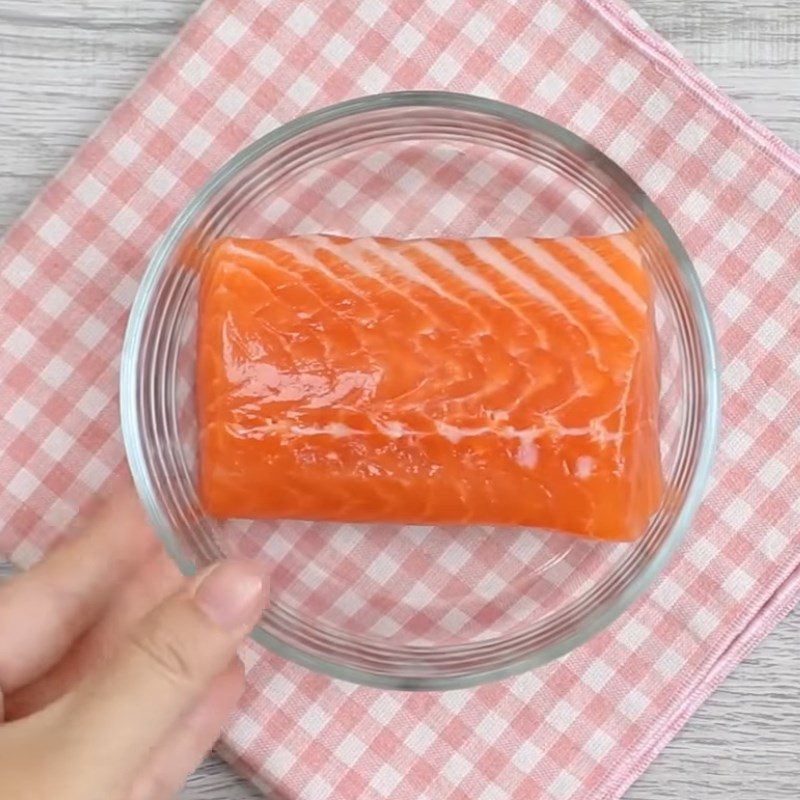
[(595, 620)]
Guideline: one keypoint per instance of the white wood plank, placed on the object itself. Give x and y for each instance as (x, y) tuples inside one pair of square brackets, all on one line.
[(65, 63), (63, 66), (750, 49)]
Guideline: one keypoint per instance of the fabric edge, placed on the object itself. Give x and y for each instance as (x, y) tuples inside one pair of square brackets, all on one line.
[(634, 29), (777, 607)]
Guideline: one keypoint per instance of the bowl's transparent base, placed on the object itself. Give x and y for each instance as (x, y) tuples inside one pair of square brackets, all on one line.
[(422, 585), (412, 189)]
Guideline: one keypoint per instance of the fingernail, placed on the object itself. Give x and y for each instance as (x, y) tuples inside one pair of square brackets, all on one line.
[(233, 593)]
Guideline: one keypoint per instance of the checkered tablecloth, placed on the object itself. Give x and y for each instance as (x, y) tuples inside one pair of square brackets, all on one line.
[(585, 726)]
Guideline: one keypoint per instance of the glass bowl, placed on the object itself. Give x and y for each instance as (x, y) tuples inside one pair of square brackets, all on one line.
[(415, 607)]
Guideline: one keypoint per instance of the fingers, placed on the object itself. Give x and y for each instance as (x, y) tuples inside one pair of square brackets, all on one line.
[(118, 717), (45, 610), (191, 738), (150, 584)]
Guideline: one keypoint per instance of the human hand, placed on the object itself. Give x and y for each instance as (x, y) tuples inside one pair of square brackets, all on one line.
[(117, 674)]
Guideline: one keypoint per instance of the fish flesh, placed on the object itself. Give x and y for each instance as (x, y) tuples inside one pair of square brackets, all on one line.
[(430, 381)]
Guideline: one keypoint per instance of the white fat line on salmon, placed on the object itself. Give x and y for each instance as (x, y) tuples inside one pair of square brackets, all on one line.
[(252, 379), (601, 268), (396, 262), (623, 409), (357, 254), (393, 262), (360, 265), (399, 261), (444, 258), (295, 248), (265, 259), (625, 246), (438, 254), (306, 256), (492, 257), (568, 279), (453, 433), (337, 251), (448, 261), (304, 251), (634, 256)]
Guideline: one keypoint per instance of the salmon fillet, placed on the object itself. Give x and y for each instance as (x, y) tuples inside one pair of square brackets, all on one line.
[(436, 381)]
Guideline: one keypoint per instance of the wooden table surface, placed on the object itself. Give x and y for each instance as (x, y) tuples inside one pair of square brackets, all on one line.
[(65, 63)]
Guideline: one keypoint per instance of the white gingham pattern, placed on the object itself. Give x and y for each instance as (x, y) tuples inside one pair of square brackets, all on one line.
[(583, 727)]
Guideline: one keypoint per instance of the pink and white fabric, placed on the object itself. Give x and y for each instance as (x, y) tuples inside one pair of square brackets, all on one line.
[(587, 725)]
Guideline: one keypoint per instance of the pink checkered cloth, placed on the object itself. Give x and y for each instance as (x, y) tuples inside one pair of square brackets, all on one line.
[(583, 727)]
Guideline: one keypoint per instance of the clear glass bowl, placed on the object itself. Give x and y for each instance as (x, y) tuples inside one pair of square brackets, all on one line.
[(415, 607)]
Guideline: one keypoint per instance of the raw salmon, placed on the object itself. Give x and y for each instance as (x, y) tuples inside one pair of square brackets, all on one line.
[(436, 381)]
